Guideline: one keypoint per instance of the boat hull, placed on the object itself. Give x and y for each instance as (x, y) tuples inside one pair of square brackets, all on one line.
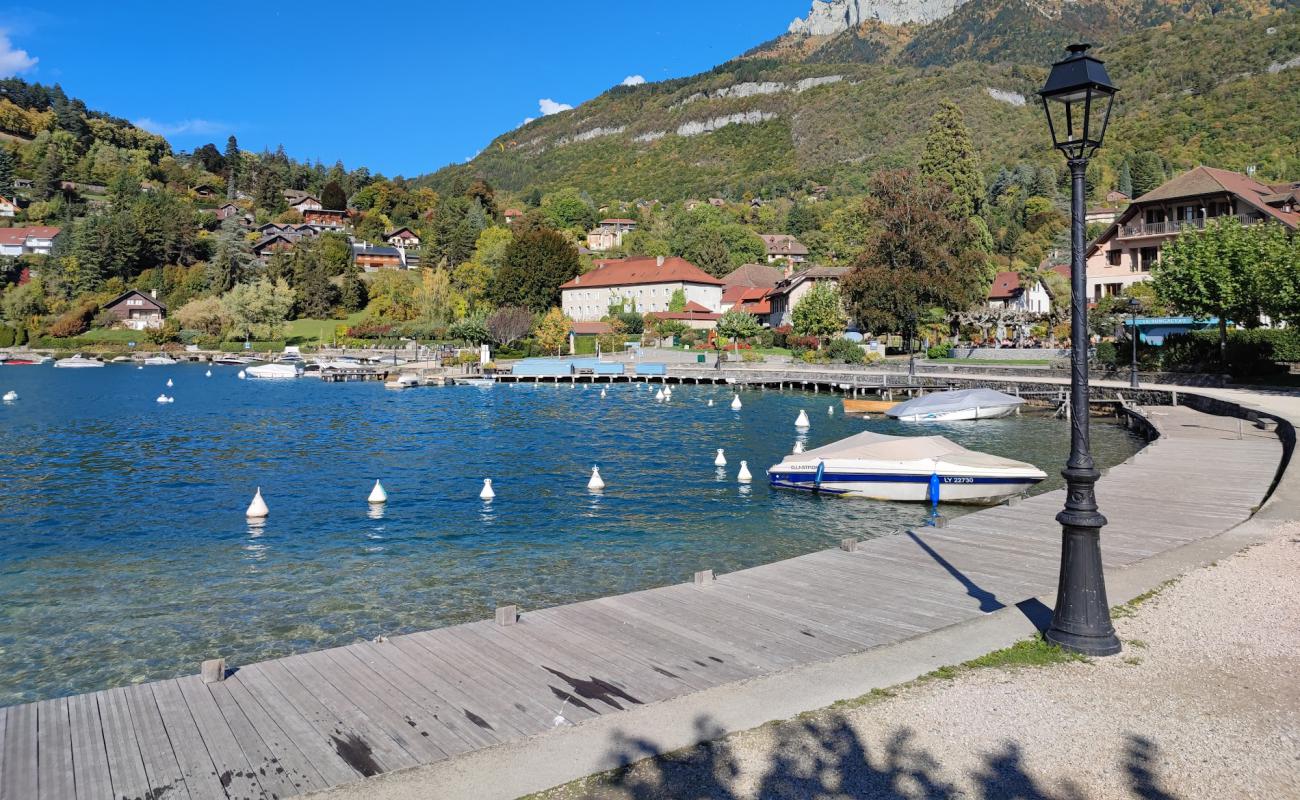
[(273, 372), (965, 414), (868, 406), (907, 487)]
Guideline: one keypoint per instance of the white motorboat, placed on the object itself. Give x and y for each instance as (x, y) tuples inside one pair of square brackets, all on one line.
[(274, 371), (480, 382), (228, 360), (160, 361), (406, 380), (905, 468), (956, 406), (78, 362)]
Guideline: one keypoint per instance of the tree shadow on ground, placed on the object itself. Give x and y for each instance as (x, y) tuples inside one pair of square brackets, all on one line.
[(825, 758)]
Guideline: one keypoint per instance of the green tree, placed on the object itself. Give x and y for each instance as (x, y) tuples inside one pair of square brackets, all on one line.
[(708, 251), (472, 329), (6, 173), (353, 295), (567, 209), (333, 197), (819, 312), (233, 161), (49, 175), (1125, 179), (800, 220), (553, 331), (736, 325), (232, 258), (536, 264), (1146, 172), (916, 256), (677, 303), (950, 160), (259, 308)]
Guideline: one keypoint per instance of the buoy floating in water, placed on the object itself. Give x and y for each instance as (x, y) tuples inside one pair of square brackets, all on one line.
[(830, 410), (208, 374), (602, 392), (257, 509), (735, 402), (596, 481), (377, 494), (242, 375), (743, 476), (802, 420), (710, 402), (659, 395), (721, 460), (798, 446), (10, 396), (169, 383), (487, 493), (162, 398), (668, 392), (140, 367)]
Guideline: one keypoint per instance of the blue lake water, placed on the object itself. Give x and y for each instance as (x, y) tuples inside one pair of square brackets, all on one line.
[(125, 554)]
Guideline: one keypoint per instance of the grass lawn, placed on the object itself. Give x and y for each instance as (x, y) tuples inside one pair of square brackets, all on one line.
[(995, 362), (312, 332)]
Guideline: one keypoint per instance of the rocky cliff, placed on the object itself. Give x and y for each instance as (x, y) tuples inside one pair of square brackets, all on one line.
[(829, 17)]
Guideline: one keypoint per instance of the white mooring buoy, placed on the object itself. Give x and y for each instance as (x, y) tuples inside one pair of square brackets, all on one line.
[(602, 392), (140, 367), (10, 396), (802, 420), (830, 410), (735, 402), (208, 374), (596, 483), (242, 375), (721, 460), (668, 392), (162, 398), (487, 493), (798, 446), (710, 402), (377, 494), (743, 476), (169, 383), (659, 395), (257, 509)]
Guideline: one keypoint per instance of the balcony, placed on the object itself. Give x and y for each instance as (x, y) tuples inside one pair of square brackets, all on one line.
[(1174, 227)]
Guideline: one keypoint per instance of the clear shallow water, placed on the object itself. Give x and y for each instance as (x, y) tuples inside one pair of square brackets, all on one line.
[(125, 555)]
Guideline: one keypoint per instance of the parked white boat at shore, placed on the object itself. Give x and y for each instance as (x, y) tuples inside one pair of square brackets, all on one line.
[(78, 361), (160, 361), (881, 467), (274, 371), (956, 406)]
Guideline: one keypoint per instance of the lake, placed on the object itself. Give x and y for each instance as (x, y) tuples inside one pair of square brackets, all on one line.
[(125, 554)]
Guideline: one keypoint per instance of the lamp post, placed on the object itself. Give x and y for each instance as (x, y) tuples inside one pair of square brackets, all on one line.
[(1134, 306), (1077, 99), (911, 346)]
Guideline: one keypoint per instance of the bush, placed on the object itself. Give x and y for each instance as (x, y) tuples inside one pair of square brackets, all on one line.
[(780, 336), (7, 336), (1251, 353), (209, 342), (74, 321), (21, 337), (766, 338), (846, 351), (256, 347), (750, 357), (813, 357), (872, 357), (1107, 354), (940, 350)]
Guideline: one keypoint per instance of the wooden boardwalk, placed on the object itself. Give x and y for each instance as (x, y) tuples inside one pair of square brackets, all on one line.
[(307, 722)]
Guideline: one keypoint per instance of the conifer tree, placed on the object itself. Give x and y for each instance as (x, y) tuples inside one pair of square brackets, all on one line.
[(232, 159), (949, 158), (1125, 180), (6, 173)]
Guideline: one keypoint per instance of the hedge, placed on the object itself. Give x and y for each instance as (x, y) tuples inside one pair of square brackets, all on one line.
[(1249, 352), (7, 336), (256, 347)]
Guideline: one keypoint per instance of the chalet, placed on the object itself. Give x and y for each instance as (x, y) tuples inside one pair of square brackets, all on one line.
[(305, 203), (403, 237), (512, 214), (29, 240), (8, 206), (1124, 254), (204, 191), (227, 210), (325, 218), (746, 287), (274, 243), (791, 290), (22, 183), (269, 228), (640, 285), (1009, 291), (608, 235), (717, 202), (372, 257), (1116, 198), (781, 246), (137, 310)]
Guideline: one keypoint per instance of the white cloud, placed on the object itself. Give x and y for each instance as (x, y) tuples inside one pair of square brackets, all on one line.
[(13, 61), (633, 80), (186, 127), (549, 106), (528, 120)]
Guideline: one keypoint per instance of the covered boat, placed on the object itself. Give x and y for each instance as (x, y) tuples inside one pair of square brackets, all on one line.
[(274, 371), (954, 406), (882, 467), (78, 361)]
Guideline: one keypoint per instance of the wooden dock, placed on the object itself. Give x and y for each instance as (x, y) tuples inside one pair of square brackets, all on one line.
[(307, 722)]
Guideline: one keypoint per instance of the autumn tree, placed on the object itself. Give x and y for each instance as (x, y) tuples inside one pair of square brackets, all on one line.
[(819, 312), (916, 255), (553, 331), (509, 324), (536, 264)]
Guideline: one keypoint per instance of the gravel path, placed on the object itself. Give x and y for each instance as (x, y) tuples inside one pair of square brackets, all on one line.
[(1204, 702)]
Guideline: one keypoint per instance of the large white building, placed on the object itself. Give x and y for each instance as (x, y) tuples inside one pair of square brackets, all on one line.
[(30, 240), (642, 285)]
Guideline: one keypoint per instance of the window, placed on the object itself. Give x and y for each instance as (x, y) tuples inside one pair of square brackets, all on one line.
[(1147, 256), (1113, 257)]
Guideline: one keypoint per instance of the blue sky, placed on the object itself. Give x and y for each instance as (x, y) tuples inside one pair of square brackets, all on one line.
[(401, 88)]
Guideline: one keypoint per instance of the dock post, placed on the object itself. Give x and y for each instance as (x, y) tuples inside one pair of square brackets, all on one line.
[(213, 670), (507, 615), (849, 545), (704, 577)]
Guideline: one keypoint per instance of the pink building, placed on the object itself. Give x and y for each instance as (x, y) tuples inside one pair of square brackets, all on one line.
[(1124, 254)]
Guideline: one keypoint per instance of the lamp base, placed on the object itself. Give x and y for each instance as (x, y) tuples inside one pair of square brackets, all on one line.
[(1084, 644)]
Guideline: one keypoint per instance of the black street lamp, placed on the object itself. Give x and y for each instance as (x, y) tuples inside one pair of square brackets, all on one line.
[(911, 346), (1077, 99), (1134, 306)]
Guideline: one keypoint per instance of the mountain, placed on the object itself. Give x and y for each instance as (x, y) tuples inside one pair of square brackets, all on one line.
[(1200, 82)]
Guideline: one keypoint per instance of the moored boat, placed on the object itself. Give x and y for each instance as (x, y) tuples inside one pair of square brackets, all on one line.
[(274, 371), (480, 382), (406, 380), (868, 406), (159, 361), (78, 361), (957, 406), (227, 360), (881, 467)]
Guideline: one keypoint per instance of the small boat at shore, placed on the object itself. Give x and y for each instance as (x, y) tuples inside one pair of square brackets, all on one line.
[(228, 360), (868, 406), (957, 406), (159, 361), (406, 380), (480, 382), (78, 361), (903, 468), (276, 371), (25, 361)]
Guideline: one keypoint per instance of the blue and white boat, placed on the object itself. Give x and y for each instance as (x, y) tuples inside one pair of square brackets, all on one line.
[(957, 406), (903, 468)]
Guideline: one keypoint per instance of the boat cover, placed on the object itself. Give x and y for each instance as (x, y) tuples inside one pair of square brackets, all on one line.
[(880, 447), (947, 402)]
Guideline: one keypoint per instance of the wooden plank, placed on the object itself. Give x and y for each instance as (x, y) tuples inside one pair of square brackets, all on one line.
[(54, 747), (89, 752), (235, 773), (251, 688), (18, 780), (165, 777), (125, 763), (265, 744), (200, 772)]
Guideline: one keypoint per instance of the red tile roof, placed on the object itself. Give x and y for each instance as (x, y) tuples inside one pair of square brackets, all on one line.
[(783, 244), (696, 307), (684, 315), (618, 221), (1005, 286), (588, 328), (638, 271), (12, 236)]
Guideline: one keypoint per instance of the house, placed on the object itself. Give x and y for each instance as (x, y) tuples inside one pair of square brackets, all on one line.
[(271, 227), (29, 240), (137, 310), (608, 235), (1009, 291), (695, 316), (226, 210), (1116, 198), (789, 291), (8, 206), (403, 237), (204, 191), (305, 203), (746, 287), (325, 217), (783, 246), (373, 257), (274, 243), (1125, 252), (641, 285), (717, 202), (512, 214), (586, 330), (1101, 214)]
